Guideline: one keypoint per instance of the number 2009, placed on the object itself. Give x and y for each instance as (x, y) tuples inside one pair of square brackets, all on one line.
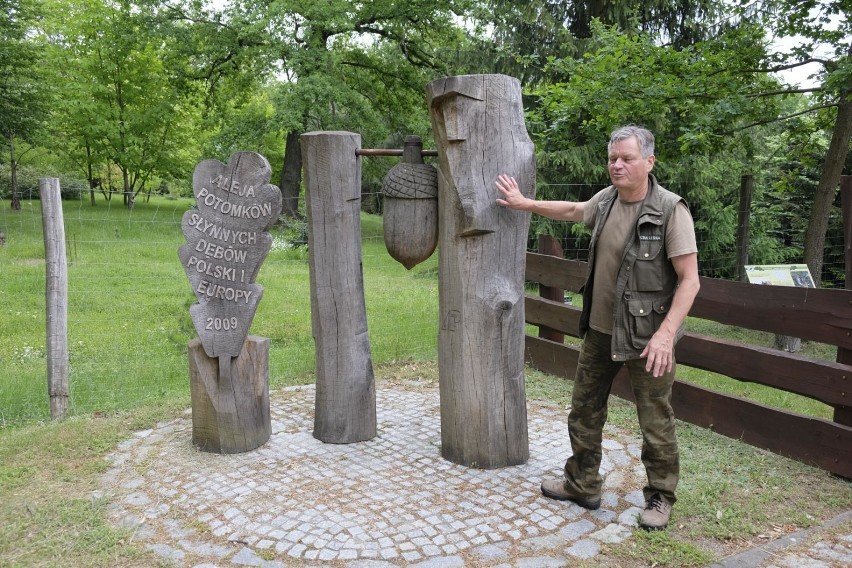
[(219, 324)]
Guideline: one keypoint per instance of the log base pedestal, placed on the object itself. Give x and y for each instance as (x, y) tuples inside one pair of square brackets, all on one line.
[(230, 411)]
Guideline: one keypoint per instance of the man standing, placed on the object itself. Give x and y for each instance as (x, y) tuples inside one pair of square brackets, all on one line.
[(642, 281)]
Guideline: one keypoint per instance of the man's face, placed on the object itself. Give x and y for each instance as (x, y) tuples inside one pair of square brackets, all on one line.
[(627, 168)]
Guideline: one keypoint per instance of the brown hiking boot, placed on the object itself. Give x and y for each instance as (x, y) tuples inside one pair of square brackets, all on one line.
[(555, 489), (656, 515)]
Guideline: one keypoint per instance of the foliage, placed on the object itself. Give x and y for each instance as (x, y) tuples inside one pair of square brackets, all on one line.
[(822, 32), (691, 98), (128, 101), (528, 34), (24, 89)]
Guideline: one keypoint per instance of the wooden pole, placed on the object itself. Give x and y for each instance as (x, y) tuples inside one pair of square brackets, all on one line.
[(346, 391), (843, 414), (56, 296), (479, 130)]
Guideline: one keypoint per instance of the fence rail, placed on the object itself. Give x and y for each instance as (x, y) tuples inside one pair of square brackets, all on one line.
[(822, 315)]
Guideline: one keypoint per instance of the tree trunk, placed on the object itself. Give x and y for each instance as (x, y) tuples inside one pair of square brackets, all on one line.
[(125, 189), (13, 169), (90, 175), (829, 180), (291, 175), (746, 191), (479, 132)]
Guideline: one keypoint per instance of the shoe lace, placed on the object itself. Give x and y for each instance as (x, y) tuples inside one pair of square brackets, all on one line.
[(656, 502)]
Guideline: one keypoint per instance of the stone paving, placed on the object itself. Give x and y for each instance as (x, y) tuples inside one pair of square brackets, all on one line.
[(390, 501)]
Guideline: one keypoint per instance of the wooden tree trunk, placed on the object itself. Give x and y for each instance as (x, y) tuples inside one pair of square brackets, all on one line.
[(346, 391), (744, 221), (835, 158), (291, 175), (56, 296), (230, 410), (479, 131)]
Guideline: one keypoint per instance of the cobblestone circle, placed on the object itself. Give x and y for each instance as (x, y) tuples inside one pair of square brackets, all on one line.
[(390, 501)]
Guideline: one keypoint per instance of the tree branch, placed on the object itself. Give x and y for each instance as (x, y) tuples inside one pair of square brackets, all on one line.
[(786, 92), (780, 118)]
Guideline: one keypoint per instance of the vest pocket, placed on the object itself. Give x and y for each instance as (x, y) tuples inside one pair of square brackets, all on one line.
[(645, 317), (648, 268)]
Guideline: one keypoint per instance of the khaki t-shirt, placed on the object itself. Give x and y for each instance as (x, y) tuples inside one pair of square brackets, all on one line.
[(680, 240)]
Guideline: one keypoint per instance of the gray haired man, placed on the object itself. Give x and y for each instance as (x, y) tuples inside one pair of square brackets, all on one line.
[(641, 283)]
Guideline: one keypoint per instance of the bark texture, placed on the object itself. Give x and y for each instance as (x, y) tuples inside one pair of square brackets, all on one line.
[(230, 408)]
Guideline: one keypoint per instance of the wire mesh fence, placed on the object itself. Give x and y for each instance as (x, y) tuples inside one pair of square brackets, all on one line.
[(128, 302)]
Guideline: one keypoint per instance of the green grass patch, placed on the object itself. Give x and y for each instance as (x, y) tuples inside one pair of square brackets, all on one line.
[(660, 549), (129, 299)]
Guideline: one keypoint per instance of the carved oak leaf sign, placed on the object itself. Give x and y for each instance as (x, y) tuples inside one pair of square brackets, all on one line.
[(226, 244)]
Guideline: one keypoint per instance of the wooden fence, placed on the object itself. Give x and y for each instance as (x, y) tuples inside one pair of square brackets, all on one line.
[(822, 315)]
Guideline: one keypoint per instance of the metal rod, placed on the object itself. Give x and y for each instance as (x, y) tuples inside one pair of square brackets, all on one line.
[(390, 152)]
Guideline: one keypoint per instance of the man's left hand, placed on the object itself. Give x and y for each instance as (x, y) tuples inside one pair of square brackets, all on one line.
[(660, 355)]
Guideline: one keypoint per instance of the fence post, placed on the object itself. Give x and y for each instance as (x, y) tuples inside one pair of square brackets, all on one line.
[(843, 414), (56, 296), (549, 245)]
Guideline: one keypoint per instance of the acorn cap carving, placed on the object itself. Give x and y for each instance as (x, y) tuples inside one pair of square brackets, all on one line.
[(411, 181)]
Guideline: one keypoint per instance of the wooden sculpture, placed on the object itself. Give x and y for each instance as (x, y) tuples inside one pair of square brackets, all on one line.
[(226, 244), (478, 124), (411, 207)]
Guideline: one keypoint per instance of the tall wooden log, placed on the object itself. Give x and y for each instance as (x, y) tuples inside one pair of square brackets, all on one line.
[(479, 129), (346, 391), (230, 410), (56, 296)]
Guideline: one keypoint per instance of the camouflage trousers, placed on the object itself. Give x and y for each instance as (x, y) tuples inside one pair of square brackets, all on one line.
[(592, 385)]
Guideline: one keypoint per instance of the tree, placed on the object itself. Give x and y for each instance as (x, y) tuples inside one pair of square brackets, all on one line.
[(129, 102), (24, 94), (341, 65), (822, 26), (527, 34)]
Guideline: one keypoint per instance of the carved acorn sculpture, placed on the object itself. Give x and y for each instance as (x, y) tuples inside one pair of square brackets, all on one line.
[(411, 207)]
